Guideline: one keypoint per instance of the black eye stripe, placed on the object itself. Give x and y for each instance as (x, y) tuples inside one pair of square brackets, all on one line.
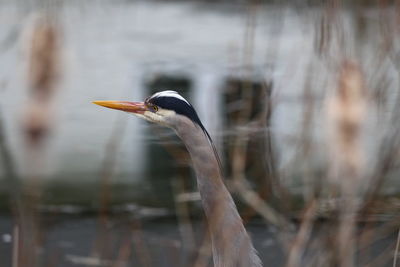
[(177, 105), (180, 107)]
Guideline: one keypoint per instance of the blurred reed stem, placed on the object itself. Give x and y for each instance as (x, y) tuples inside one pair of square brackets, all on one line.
[(12, 179), (396, 250), (43, 77), (102, 243)]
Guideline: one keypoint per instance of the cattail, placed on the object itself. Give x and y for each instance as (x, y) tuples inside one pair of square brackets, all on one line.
[(346, 115), (42, 80), (43, 75)]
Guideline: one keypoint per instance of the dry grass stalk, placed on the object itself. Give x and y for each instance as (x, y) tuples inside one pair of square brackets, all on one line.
[(396, 250), (311, 184), (382, 259), (303, 236), (124, 253), (142, 251), (183, 214), (372, 234), (10, 173), (107, 172), (204, 254)]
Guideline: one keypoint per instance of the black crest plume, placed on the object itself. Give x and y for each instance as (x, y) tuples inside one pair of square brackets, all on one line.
[(171, 100)]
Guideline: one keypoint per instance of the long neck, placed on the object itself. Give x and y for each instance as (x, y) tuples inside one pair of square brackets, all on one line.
[(231, 244)]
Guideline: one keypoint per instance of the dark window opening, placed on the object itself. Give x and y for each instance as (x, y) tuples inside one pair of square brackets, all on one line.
[(167, 158), (247, 103)]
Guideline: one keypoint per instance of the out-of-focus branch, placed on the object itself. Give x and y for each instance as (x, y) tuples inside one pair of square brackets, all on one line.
[(140, 246), (108, 165), (183, 214), (396, 250), (386, 156), (205, 253), (252, 199), (9, 168), (300, 242)]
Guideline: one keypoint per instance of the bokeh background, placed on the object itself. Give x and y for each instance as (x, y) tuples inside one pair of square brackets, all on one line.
[(304, 93)]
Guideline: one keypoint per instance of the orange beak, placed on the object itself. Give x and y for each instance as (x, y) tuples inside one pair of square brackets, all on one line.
[(133, 107)]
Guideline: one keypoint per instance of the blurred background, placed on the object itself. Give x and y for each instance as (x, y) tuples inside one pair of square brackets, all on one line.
[(302, 95)]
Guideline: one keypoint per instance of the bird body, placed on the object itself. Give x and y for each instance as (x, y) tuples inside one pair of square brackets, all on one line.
[(231, 245)]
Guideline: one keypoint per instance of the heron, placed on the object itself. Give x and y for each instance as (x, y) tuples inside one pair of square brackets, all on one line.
[(231, 244)]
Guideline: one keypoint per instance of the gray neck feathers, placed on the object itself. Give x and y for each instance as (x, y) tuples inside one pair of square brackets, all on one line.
[(231, 244)]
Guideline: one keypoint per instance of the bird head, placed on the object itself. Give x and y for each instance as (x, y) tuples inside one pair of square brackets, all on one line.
[(162, 108), (167, 108)]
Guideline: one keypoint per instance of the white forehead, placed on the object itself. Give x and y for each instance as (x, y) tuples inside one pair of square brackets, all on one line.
[(169, 93)]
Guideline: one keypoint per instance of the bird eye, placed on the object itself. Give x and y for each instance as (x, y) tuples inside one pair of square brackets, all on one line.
[(155, 108)]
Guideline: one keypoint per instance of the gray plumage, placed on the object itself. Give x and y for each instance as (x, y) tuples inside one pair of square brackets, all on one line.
[(231, 244)]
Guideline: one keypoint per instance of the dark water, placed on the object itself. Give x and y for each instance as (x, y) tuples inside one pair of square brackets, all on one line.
[(126, 241), (77, 241)]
